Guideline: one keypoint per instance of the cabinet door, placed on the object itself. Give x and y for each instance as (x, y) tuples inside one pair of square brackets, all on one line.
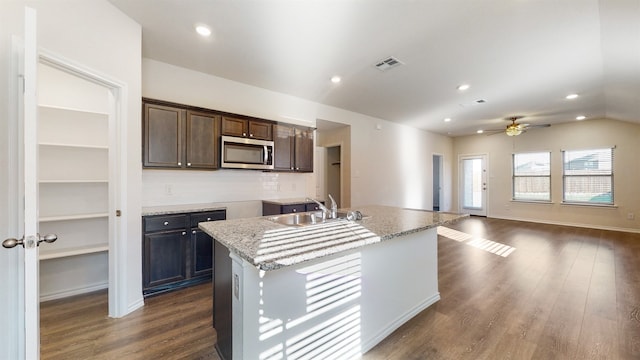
[(164, 258), (283, 147), (234, 127), (260, 130), (202, 253), (294, 208), (304, 150), (163, 128), (202, 140), (313, 206)]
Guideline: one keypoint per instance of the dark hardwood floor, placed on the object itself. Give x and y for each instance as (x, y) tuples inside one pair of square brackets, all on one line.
[(176, 325), (563, 293)]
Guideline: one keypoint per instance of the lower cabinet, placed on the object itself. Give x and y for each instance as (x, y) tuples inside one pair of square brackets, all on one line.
[(277, 208), (175, 252)]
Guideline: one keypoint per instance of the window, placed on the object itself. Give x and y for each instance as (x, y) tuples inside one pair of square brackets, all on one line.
[(532, 176), (588, 176)]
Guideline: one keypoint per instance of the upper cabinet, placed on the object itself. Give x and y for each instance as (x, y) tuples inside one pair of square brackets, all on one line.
[(185, 137), (249, 128), (293, 148), (176, 137)]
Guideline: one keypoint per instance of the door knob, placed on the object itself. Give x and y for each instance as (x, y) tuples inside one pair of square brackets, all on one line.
[(10, 243), (49, 238)]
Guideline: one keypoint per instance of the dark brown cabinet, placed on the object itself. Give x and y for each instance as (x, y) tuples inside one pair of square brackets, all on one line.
[(293, 148), (179, 138), (255, 129), (175, 252), (163, 135), (276, 208), (202, 140)]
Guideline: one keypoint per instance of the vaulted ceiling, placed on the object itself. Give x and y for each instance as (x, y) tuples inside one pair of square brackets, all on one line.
[(520, 57)]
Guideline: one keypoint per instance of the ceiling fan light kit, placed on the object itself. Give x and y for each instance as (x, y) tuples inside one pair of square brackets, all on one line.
[(513, 129)]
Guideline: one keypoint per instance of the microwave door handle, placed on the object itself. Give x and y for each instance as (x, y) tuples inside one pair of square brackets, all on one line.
[(266, 155)]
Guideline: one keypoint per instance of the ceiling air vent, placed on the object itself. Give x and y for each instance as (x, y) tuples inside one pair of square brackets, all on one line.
[(388, 63)]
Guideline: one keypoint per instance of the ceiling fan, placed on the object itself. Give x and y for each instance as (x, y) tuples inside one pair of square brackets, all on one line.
[(515, 129)]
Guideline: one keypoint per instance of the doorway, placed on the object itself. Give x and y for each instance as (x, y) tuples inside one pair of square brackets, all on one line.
[(333, 166), (437, 182), (473, 185)]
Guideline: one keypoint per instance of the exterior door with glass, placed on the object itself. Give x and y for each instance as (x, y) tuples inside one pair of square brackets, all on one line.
[(473, 185)]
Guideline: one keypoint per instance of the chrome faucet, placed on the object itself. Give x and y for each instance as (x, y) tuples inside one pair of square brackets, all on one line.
[(333, 213), (334, 208)]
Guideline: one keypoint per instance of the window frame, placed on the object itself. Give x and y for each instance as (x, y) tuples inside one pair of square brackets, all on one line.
[(514, 177), (609, 175)]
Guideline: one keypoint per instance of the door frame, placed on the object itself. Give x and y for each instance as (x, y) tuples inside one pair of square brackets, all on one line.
[(117, 177), (483, 211), (440, 181), (326, 165)]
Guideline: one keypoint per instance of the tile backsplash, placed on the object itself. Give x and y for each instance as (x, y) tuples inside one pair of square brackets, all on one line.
[(174, 187)]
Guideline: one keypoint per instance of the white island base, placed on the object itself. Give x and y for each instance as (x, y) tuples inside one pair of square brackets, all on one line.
[(338, 306)]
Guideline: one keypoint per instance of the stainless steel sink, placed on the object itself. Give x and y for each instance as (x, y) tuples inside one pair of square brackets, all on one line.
[(298, 219), (303, 219)]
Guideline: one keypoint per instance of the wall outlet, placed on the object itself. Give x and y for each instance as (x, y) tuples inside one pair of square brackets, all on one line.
[(631, 216), (168, 189)]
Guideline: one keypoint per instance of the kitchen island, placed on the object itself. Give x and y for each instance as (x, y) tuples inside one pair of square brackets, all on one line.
[(328, 289)]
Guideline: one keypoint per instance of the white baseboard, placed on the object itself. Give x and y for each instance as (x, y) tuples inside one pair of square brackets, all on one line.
[(135, 306), (562, 223), (72, 292), (368, 344)]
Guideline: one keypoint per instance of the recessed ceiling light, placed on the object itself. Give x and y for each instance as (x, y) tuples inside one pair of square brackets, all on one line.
[(581, 117), (571, 96), (480, 131), (336, 79), (463, 87), (447, 119), (203, 30)]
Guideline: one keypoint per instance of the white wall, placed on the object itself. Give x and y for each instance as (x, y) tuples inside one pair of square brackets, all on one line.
[(574, 135), (97, 36), (391, 166)]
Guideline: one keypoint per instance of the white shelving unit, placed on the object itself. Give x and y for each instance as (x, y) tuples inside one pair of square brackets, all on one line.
[(73, 175)]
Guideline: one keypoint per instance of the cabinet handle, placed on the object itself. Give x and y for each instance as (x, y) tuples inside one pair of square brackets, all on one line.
[(184, 233), (297, 168), (188, 164), (193, 231), (244, 134), (179, 164), (292, 168), (166, 223), (250, 135)]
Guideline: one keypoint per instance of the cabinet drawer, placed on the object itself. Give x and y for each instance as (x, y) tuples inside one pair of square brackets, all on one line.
[(313, 206), (294, 208), (197, 218), (164, 222)]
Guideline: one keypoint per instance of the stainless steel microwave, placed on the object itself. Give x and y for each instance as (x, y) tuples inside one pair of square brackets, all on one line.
[(242, 153)]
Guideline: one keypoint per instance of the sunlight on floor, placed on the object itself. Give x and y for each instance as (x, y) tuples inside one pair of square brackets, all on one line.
[(477, 242)]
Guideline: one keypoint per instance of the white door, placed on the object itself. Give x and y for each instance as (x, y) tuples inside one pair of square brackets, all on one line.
[(27, 186), (473, 185)]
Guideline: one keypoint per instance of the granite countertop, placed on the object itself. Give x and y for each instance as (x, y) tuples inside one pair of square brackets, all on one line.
[(291, 201), (270, 246), (176, 209)]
